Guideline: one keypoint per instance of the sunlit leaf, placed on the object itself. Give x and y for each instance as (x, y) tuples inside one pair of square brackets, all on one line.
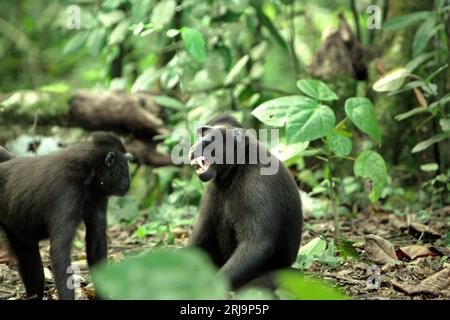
[(308, 120), (306, 288), (392, 80), (194, 43), (274, 112), (371, 165), (316, 89)]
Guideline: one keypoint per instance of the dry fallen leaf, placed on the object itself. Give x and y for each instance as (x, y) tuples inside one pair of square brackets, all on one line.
[(434, 284), (415, 251), (379, 250), (421, 231)]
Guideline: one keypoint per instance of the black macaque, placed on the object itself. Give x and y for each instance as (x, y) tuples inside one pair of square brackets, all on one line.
[(4, 155), (249, 223), (48, 197)]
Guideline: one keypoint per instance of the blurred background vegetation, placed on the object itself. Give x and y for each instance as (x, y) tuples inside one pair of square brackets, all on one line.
[(196, 59)]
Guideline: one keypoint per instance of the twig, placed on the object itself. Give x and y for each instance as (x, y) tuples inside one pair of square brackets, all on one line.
[(356, 18)]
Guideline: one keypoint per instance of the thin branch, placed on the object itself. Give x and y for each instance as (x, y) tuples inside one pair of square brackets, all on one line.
[(356, 18)]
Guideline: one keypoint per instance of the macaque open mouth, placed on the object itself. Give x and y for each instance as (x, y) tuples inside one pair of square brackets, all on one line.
[(201, 164)]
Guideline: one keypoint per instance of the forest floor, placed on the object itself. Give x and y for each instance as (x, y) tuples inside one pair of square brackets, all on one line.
[(405, 259)]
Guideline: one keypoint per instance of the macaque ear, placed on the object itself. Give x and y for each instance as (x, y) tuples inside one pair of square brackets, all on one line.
[(128, 156), (202, 130), (110, 158)]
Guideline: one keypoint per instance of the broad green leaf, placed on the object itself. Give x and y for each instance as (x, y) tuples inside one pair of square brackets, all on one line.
[(169, 102), (311, 251), (445, 124), (110, 18), (309, 121), (194, 43), (159, 275), (97, 40), (76, 42), (429, 167), (163, 12), (140, 8), (236, 70), (423, 35), (339, 144), (286, 152), (316, 89), (407, 20), (392, 80), (371, 165), (429, 142), (274, 112), (119, 33), (362, 113), (306, 288)]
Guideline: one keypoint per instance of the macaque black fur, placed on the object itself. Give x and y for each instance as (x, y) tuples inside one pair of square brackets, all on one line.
[(48, 197), (249, 224)]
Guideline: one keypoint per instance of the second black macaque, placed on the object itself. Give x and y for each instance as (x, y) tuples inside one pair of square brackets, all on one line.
[(250, 222), (49, 196)]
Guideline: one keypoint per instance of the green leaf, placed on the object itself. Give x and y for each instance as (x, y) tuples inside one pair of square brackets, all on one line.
[(236, 70), (362, 113), (445, 124), (407, 20), (97, 40), (311, 251), (110, 18), (371, 165), (429, 142), (160, 275), (169, 102), (305, 288), (429, 167), (286, 152), (392, 80), (339, 144), (308, 120), (119, 33), (76, 42), (163, 12), (274, 112), (194, 43), (412, 112), (316, 89), (423, 35)]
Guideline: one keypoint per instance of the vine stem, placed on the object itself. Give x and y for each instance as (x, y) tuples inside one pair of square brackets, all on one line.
[(332, 196)]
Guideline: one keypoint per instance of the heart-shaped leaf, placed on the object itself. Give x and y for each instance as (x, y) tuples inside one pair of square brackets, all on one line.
[(316, 89), (339, 144), (362, 113), (309, 121), (274, 112)]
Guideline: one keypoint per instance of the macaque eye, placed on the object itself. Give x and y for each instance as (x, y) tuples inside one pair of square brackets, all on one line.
[(110, 158)]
